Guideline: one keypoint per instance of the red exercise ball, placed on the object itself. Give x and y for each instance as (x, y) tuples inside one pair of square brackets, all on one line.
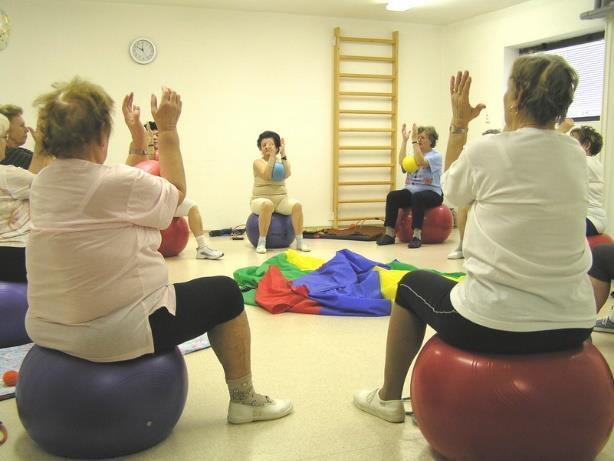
[(150, 166), (436, 227), (174, 238), (599, 239), (478, 407)]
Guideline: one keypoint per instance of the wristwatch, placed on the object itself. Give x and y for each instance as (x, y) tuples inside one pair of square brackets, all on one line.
[(284, 158)]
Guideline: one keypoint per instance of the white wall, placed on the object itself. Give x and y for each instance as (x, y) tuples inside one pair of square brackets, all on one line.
[(485, 45), (239, 73)]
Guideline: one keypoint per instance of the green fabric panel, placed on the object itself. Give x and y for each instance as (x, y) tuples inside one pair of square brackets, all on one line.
[(398, 265), (248, 277)]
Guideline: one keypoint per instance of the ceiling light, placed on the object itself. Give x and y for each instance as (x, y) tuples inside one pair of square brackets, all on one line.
[(402, 5)]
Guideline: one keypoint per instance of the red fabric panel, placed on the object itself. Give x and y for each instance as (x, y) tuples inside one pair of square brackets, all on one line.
[(276, 295)]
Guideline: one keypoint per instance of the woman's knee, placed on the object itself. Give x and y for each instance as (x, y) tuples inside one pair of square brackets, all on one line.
[(228, 296), (267, 207)]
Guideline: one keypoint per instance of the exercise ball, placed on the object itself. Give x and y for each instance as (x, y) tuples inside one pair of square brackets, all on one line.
[(13, 308), (174, 238), (436, 227), (599, 239), (279, 172), (150, 166), (280, 235), (409, 164), (80, 409), (547, 407)]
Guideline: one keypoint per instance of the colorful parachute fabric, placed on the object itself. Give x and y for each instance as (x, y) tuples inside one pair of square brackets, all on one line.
[(346, 285)]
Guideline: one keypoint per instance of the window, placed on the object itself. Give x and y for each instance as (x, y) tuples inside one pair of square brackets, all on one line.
[(587, 56)]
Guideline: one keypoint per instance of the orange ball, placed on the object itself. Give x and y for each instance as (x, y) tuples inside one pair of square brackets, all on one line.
[(10, 378)]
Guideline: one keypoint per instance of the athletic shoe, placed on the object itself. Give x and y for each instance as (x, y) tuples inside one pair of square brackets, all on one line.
[(456, 254), (205, 252), (392, 411), (303, 247), (385, 240), (240, 413), (604, 325), (415, 242), (261, 249)]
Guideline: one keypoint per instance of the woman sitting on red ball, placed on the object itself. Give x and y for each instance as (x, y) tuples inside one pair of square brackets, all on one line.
[(422, 187), (521, 294), (98, 287)]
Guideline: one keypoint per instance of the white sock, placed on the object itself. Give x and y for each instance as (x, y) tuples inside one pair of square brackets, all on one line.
[(200, 241), (389, 231), (460, 246), (299, 241), (262, 242), (418, 233)]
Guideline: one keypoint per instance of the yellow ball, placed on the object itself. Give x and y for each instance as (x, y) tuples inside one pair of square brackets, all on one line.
[(409, 164)]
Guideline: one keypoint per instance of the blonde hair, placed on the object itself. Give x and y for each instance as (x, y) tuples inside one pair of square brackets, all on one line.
[(73, 115), (10, 111), (545, 85), (4, 126)]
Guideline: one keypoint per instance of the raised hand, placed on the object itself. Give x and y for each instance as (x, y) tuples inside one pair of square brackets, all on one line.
[(414, 132), (132, 113), (282, 147), (167, 113), (462, 111), (405, 133), (566, 125)]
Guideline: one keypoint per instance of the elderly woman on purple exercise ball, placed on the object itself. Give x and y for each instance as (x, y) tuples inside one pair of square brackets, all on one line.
[(526, 257), (269, 194), (98, 288)]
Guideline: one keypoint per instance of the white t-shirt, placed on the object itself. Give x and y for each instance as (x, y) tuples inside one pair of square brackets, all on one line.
[(94, 272), (596, 213), (14, 205), (526, 255)]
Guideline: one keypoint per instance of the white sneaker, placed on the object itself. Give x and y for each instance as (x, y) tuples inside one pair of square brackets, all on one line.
[(303, 247), (390, 410), (456, 254), (205, 252), (261, 249), (240, 413)]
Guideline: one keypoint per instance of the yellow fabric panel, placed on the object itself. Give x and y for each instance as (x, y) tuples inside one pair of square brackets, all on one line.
[(302, 261)]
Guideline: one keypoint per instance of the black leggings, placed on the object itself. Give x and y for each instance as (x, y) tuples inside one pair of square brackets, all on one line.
[(13, 264), (590, 228), (603, 262), (427, 295), (202, 304), (418, 201)]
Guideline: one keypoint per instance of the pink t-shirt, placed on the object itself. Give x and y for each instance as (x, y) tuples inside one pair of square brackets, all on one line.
[(94, 272), (14, 205)]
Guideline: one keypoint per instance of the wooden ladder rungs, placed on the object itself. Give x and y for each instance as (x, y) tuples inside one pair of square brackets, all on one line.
[(366, 130), (374, 76), (365, 183), (366, 93), (353, 57), (363, 200), (365, 147), (366, 112), (383, 41), (365, 165)]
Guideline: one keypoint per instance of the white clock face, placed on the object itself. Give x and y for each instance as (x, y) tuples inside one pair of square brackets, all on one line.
[(143, 51)]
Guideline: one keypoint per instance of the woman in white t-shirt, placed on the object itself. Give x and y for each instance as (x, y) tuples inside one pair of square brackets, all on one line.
[(98, 288), (15, 185), (526, 255), (591, 141)]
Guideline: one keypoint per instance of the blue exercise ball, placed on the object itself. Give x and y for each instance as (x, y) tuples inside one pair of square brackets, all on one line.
[(280, 235), (79, 409), (13, 308), (279, 172)]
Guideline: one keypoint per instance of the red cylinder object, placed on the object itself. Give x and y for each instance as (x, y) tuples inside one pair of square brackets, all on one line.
[(150, 166), (436, 227), (174, 238), (479, 407), (600, 239)]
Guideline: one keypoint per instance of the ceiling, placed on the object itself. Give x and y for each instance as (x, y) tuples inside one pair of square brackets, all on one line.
[(429, 12)]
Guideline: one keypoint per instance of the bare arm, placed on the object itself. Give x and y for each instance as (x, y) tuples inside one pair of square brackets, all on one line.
[(40, 159), (132, 116), (284, 160), (462, 114), (418, 155), (166, 116)]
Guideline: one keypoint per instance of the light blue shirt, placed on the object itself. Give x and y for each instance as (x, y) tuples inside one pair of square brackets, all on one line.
[(427, 177)]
